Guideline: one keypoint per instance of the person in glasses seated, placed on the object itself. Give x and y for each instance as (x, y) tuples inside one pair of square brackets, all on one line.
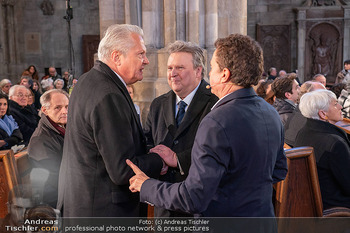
[(26, 119)]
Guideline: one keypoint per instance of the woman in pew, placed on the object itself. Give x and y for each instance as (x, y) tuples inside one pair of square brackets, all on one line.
[(331, 145), (10, 134)]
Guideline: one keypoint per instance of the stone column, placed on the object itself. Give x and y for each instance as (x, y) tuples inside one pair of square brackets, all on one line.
[(346, 46), (301, 43), (11, 56), (111, 12), (152, 23), (193, 21), (232, 17), (180, 19), (169, 21)]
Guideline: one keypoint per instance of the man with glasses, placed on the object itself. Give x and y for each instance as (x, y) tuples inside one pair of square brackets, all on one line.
[(25, 118)]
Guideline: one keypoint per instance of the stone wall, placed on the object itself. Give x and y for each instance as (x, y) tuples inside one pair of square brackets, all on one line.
[(41, 38)]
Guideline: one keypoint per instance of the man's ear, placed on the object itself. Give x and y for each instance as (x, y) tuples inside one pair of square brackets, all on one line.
[(323, 115), (44, 110), (226, 75), (199, 72), (115, 56), (287, 95)]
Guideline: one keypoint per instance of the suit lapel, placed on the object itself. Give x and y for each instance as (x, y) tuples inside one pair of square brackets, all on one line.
[(169, 113)]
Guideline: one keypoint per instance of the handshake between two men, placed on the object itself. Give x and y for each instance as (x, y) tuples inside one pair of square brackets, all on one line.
[(169, 157)]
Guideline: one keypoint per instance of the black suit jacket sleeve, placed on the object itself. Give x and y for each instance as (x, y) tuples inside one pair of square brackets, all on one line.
[(115, 153)]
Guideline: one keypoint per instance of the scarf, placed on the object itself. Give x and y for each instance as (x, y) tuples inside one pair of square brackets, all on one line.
[(8, 124)]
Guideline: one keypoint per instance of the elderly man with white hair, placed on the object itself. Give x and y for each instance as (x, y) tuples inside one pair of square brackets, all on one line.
[(331, 145), (25, 118)]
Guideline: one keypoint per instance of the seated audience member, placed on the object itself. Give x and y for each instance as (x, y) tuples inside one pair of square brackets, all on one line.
[(287, 92), (26, 119), (74, 82), (33, 72), (346, 71), (46, 145), (337, 88), (10, 134), (272, 73), (264, 91), (131, 91), (282, 73), (37, 93), (330, 143), (296, 121), (320, 78), (5, 86), (26, 81), (31, 101), (47, 84), (53, 74), (58, 84)]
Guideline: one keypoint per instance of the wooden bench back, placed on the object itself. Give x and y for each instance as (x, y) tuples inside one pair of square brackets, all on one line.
[(23, 167), (8, 178), (299, 194)]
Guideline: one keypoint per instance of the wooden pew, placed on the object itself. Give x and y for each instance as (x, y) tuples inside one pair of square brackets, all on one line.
[(299, 194), (8, 178), (23, 167)]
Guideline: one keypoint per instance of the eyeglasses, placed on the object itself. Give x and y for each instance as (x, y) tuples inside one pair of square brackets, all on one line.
[(20, 95)]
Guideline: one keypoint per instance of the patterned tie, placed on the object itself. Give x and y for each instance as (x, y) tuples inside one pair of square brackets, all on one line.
[(181, 113)]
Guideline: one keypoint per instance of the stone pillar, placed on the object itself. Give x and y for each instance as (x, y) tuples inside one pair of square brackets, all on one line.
[(152, 23), (346, 46), (169, 21), (181, 20), (232, 17), (301, 43), (9, 46), (111, 12), (193, 21)]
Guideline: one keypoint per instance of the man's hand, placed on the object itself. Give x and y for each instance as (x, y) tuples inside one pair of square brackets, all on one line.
[(137, 180), (166, 154)]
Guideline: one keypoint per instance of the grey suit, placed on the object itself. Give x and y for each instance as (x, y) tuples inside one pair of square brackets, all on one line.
[(103, 130), (160, 128)]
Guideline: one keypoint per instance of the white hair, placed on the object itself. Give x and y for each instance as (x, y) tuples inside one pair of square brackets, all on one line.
[(45, 99), (4, 82), (14, 89), (312, 102), (117, 38)]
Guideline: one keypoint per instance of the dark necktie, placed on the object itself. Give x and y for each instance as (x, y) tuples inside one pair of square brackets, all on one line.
[(181, 113)]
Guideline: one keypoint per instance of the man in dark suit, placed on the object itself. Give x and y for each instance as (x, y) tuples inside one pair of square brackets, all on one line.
[(103, 130), (238, 150), (186, 69)]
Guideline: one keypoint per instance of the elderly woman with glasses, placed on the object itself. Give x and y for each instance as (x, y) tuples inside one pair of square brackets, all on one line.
[(26, 119), (331, 145)]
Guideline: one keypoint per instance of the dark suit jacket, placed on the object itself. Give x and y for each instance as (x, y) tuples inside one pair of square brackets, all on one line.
[(237, 155), (15, 138), (293, 125), (103, 130), (161, 128), (332, 152), (26, 119), (45, 151)]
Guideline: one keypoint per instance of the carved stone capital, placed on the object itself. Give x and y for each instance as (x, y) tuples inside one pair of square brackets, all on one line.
[(8, 2)]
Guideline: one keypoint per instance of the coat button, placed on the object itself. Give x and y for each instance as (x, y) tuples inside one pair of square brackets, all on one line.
[(176, 142)]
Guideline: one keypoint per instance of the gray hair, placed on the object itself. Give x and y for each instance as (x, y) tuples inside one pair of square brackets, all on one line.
[(45, 99), (58, 80), (312, 102), (4, 82), (197, 52), (14, 89), (117, 38)]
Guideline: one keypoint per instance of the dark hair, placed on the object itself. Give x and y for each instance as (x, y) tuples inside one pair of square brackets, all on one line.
[(282, 85), (242, 56), (337, 88), (347, 62), (4, 96), (262, 87), (35, 75)]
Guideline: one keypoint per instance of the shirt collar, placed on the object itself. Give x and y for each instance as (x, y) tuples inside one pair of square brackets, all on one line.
[(189, 97), (119, 78)]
